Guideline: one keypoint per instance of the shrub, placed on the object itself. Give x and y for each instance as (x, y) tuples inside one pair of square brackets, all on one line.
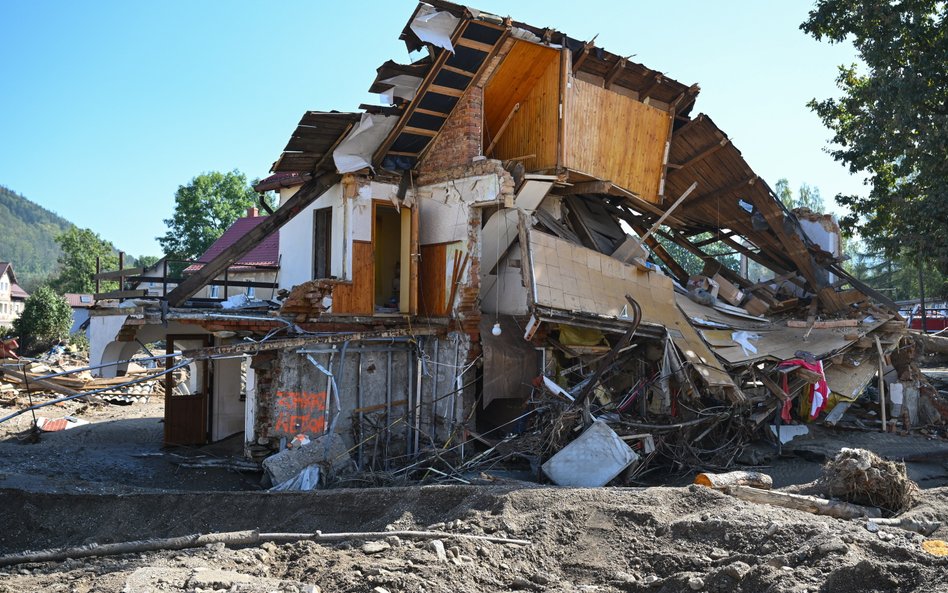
[(46, 317)]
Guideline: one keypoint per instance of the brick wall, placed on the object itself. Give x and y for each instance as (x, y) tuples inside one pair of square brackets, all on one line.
[(461, 138)]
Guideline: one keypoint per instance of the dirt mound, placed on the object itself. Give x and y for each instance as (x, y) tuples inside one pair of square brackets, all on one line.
[(606, 540), (862, 477)]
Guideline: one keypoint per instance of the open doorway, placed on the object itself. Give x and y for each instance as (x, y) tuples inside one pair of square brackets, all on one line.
[(387, 241), (187, 391)]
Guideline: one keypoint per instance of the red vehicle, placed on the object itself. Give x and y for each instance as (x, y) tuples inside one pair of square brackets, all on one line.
[(936, 317)]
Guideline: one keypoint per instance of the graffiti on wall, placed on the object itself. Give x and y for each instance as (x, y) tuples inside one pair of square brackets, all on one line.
[(298, 412)]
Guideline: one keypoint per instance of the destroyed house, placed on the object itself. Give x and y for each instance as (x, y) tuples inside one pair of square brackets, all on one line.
[(502, 239)]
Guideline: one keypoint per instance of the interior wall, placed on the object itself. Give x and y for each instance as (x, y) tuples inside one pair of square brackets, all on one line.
[(613, 137), (529, 75), (296, 240), (388, 250), (227, 407)]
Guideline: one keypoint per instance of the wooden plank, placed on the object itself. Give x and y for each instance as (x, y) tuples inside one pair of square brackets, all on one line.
[(289, 343), (358, 296), (429, 112), (602, 127), (703, 154), (500, 132), (584, 187), (823, 324), (433, 280), (115, 274), (723, 191), (484, 47), (527, 76), (444, 90), (306, 195), (120, 294), (419, 131)]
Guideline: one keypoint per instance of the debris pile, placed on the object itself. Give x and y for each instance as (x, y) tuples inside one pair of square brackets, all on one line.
[(862, 477)]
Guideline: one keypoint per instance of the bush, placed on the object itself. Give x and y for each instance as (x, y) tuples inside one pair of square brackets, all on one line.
[(46, 317), (79, 342)]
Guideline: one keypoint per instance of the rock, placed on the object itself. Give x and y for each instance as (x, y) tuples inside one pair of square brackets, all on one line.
[(521, 583), (541, 578), (218, 579), (380, 590), (837, 547), (287, 464), (737, 570), (771, 529), (650, 579), (438, 546), (375, 547), (311, 589), (696, 583), (269, 547)]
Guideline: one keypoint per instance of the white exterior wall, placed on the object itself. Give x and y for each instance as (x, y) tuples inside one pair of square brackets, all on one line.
[(351, 220)]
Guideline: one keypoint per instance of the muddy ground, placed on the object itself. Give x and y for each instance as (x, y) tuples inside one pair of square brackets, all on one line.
[(111, 481), (603, 540)]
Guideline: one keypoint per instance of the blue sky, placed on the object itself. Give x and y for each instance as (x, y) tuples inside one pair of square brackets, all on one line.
[(107, 107)]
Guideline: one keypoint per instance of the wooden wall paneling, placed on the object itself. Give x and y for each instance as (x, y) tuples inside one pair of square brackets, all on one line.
[(357, 297), (529, 75), (613, 137), (433, 289)]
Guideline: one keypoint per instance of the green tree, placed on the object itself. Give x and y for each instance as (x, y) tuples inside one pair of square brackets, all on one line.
[(145, 261), (891, 121), (80, 248), (807, 197), (203, 210), (46, 317)]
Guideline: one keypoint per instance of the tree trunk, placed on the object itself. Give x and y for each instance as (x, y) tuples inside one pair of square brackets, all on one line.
[(721, 481), (800, 502)]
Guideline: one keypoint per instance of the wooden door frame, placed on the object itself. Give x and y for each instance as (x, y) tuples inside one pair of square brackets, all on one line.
[(413, 250)]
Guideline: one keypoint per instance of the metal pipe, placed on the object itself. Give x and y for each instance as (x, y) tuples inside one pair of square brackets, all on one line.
[(388, 408), (417, 422), (359, 433), (99, 366), (409, 406), (181, 364)]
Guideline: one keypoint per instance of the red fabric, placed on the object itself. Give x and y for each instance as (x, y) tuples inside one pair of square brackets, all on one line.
[(788, 403), (820, 391)]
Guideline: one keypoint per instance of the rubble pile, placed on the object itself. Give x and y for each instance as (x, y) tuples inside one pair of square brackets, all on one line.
[(862, 477)]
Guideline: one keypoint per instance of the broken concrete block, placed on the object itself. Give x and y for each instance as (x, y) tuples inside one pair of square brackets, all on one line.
[(593, 459), (289, 463)]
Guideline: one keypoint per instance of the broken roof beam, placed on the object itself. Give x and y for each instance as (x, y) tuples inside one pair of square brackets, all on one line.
[(774, 214), (745, 183), (307, 194), (583, 53), (701, 155)]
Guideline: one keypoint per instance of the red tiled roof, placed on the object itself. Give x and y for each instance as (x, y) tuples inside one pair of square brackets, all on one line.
[(266, 253), (77, 300)]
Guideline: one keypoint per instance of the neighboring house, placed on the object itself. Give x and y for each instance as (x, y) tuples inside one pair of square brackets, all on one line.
[(80, 303), (261, 265), (152, 278), (12, 296)]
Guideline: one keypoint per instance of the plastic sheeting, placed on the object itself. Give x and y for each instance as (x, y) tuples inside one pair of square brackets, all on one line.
[(404, 87), (434, 26), (355, 152)]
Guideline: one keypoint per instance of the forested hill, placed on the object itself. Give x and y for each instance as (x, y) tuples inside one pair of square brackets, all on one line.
[(27, 232)]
